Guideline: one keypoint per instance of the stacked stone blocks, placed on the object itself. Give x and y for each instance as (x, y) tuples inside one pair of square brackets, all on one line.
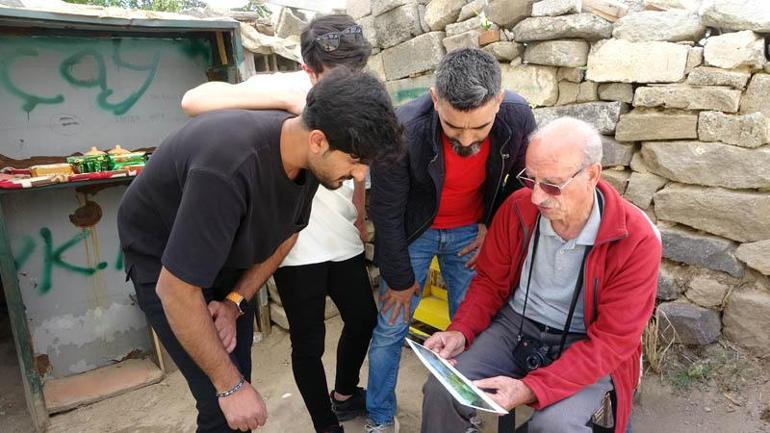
[(682, 99)]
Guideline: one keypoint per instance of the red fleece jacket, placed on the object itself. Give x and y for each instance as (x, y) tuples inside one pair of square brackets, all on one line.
[(620, 284)]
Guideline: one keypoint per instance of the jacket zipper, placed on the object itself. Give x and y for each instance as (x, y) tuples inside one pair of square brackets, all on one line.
[(596, 299), (503, 157), (595, 296), (422, 227)]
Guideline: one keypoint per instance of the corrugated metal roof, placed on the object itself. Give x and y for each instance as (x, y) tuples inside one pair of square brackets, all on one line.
[(11, 3), (59, 14)]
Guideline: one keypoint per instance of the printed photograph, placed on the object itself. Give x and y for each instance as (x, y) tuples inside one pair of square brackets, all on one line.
[(458, 385)]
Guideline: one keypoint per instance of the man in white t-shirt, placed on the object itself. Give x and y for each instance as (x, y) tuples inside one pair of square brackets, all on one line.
[(328, 258)]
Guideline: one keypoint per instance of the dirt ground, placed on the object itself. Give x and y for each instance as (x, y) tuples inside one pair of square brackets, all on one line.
[(168, 407), (13, 410)]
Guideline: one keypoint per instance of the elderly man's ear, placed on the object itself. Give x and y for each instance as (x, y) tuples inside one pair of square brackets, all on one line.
[(595, 173)]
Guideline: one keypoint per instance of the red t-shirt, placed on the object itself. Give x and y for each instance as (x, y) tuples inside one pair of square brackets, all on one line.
[(462, 198)]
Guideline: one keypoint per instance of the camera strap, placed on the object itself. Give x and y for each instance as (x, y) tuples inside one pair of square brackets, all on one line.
[(535, 241), (573, 304), (578, 283)]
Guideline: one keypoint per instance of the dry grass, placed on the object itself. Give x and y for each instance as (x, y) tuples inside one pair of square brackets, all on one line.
[(719, 365), (657, 339)]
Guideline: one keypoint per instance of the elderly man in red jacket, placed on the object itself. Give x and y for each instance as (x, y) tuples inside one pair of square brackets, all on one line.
[(565, 285)]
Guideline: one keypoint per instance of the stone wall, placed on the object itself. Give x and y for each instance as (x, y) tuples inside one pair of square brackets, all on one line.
[(681, 92)]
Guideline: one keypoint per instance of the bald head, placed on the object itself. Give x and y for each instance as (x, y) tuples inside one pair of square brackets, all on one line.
[(566, 155), (569, 140)]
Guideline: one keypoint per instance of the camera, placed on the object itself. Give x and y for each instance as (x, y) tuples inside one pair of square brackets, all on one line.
[(531, 354)]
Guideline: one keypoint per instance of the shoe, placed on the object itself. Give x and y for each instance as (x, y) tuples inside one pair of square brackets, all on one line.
[(351, 408), (381, 428), (334, 429)]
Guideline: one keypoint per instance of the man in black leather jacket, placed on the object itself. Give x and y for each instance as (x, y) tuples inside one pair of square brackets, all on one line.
[(466, 142)]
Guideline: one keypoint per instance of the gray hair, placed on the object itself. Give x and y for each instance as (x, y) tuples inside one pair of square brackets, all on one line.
[(468, 78), (592, 144)]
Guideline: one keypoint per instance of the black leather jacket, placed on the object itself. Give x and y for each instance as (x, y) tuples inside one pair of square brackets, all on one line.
[(405, 194)]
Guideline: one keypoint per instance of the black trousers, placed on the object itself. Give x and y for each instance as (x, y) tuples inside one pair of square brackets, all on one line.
[(303, 291), (210, 416)]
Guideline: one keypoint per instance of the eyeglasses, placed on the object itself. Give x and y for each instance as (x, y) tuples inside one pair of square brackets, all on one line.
[(331, 41), (547, 188)]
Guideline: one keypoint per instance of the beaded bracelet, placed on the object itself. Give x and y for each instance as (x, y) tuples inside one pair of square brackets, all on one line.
[(232, 390)]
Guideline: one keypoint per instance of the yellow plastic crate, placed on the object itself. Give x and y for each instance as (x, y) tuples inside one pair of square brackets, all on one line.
[(432, 313)]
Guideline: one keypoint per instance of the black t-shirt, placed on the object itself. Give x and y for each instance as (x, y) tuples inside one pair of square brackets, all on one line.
[(213, 200)]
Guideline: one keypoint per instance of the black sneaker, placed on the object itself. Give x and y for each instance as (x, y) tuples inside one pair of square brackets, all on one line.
[(351, 408), (333, 429)]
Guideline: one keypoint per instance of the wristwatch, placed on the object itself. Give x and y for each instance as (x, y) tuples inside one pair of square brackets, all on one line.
[(238, 300)]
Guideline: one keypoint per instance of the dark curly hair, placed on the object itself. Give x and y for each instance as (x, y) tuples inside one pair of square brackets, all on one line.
[(354, 111)]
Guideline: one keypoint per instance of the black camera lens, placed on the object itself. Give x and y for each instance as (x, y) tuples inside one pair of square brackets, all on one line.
[(533, 362)]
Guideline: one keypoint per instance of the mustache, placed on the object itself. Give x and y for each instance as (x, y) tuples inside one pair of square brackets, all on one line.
[(546, 203)]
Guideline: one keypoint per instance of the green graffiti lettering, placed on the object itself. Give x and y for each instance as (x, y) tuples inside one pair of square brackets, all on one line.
[(52, 257), (30, 101), (196, 47), (406, 94), (151, 68), (89, 65), (100, 77)]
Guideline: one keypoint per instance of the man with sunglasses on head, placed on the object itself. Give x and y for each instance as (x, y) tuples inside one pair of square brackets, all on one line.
[(465, 143), (565, 286), (328, 258)]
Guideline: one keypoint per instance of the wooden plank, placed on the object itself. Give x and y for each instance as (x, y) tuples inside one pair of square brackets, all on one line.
[(81, 389), (161, 357), (278, 316), (33, 390), (263, 312), (158, 350), (221, 48)]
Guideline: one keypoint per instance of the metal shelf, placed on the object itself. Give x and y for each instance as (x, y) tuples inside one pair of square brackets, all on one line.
[(76, 184)]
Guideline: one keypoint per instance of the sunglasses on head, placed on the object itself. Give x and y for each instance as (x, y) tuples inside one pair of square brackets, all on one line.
[(331, 41), (548, 188)]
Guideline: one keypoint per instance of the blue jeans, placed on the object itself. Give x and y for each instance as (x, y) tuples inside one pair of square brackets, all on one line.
[(387, 340)]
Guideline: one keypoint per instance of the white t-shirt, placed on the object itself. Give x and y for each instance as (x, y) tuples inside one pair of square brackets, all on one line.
[(331, 234)]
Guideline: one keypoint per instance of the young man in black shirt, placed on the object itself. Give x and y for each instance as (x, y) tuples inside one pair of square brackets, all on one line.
[(215, 211), (327, 260)]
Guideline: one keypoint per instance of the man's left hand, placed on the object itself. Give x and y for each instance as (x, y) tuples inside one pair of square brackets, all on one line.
[(474, 247), (506, 391), (224, 314)]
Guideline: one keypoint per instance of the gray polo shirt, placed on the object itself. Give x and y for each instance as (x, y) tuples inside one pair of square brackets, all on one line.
[(557, 265)]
